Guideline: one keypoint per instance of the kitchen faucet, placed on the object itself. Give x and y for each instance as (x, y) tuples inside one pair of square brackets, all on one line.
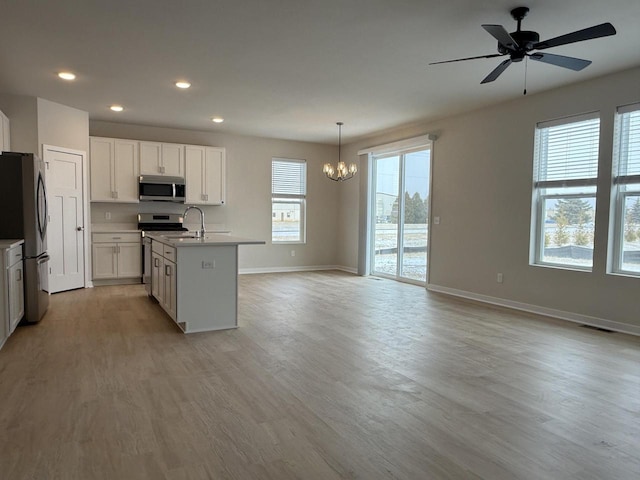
[(202, 231)]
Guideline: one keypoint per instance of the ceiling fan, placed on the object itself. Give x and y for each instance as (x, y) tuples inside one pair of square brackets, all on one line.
[(519, 44)]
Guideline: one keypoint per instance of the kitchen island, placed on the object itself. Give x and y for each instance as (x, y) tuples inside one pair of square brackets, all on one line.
[(195, 279)]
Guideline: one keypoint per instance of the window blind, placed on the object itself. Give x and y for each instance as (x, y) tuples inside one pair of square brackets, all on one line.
[(629, 144), (568, 151), (288, 178)]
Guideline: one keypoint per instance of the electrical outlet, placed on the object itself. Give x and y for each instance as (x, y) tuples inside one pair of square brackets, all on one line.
[(499, 278), (293, 253), (209, 264), (107, 215), (436, 220)]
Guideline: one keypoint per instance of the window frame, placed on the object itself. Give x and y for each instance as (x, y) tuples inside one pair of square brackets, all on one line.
[(623, 186), (541, 187), (290, 199)]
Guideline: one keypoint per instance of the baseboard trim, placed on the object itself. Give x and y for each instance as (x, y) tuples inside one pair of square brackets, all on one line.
[(304, 268), (548, 312), (116, 281)]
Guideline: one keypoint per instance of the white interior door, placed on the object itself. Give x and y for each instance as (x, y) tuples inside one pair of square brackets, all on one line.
[(65, 234)]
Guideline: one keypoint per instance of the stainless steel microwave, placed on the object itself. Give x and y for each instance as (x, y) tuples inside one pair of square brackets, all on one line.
[(161, 189)]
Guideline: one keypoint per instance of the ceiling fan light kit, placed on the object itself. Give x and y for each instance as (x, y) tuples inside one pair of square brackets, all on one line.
[(519, 45)]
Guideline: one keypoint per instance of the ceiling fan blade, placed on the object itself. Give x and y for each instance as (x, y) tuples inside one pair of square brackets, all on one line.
[(469, 58), (499, 33), (497, 71), (571, 63), (597, 31)]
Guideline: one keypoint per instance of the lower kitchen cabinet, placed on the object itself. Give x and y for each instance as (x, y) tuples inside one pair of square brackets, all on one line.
[(163, 277), (11, 286), (117, 256), (170, 293)]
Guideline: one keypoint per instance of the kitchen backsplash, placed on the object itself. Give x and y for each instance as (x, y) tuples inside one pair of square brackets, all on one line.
[(120, 214)]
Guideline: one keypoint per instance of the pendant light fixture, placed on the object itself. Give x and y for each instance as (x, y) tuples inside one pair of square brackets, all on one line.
[(340, 173)]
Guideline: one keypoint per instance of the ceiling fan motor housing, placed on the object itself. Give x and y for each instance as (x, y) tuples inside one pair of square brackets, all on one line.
[(525, 40)]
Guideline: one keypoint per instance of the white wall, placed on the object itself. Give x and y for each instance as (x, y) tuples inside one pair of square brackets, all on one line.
[(247, 212), (35, 121), (62, 126), (23, 116), (482, 175)]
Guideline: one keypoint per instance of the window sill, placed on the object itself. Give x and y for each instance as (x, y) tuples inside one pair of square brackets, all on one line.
[(562, 267), (625, 274)]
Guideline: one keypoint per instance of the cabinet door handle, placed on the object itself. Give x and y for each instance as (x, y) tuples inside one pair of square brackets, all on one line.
[(113, 250), (156, 262), (116, 192), (19, 279), (167, 270), (118, 248)]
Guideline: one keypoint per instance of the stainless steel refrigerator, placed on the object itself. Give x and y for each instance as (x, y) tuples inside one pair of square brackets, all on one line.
[(23, 214)]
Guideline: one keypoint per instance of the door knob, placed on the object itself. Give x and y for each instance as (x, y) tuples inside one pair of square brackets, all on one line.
[(80, 229)]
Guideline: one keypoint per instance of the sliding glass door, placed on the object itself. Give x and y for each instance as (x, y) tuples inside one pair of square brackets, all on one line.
[(400, 215)]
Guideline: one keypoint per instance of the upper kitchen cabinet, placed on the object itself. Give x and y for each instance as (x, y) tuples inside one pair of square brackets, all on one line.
[(161, 159), (5, 133), (205, 175), (114, 170)]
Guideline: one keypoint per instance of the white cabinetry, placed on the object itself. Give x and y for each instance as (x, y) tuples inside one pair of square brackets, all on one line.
[(116, 165), (163, 277), (161, 159), (12, 287), (117, 256), (114, 170), (5, 133), (205, 175)]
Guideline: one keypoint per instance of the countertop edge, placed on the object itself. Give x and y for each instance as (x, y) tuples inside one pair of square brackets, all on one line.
[(11, 242), (208, 241)]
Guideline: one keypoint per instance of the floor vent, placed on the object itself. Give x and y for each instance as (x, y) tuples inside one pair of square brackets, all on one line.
[(600, 329)]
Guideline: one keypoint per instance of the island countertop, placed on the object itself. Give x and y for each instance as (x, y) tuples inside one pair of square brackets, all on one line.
[(209, 240)]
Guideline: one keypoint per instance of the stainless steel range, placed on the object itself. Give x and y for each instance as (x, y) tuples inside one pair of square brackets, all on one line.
[(157, 223)]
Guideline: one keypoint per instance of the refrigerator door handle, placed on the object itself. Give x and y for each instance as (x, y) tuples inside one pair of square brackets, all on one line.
[(42, 219), (44, 258)]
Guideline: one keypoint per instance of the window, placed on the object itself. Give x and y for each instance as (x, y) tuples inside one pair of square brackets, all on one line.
[(564, 192), (288, 193), (626, 191)]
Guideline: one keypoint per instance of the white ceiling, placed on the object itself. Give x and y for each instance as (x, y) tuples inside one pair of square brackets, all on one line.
[(292, 68)]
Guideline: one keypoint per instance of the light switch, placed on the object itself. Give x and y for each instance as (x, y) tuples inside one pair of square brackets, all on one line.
[(209, 264), (436, 220)]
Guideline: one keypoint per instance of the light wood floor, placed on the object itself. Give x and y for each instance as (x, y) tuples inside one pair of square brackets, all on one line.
[(330, 376)]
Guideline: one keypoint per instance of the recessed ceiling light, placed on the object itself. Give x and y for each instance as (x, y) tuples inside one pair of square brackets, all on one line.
[(217, 119), (67, 75), (183, 85), (117, 108)]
